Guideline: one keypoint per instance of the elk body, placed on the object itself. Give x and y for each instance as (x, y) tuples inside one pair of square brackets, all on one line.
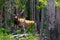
[(18, 21)]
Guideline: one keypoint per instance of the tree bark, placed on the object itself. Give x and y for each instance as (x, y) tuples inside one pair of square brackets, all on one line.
[(36, 18), (0, 19), (31, 9), (8, 12), (51, 18), (58, 21)]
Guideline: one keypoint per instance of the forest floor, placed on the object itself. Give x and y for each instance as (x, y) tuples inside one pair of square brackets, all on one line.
[(18, 37), (25, 36)]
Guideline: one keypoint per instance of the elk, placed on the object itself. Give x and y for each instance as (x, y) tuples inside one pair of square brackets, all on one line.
[(18, 21)]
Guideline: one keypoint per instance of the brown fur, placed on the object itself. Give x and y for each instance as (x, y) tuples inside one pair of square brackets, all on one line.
[(20, 20)]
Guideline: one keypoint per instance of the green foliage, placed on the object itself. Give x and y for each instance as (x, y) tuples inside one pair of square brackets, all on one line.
[(10, 22), (40, 7), (42, 2), (2, 30), (31, 29), (5, 36), (19, 4), (57, 4), (9, 37), (2, 2), (31, 37)]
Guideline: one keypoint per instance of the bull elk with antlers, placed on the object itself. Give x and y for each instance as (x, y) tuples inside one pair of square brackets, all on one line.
[(18, 21)]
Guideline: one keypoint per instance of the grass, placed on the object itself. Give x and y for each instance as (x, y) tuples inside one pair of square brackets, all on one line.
[(6, 35)]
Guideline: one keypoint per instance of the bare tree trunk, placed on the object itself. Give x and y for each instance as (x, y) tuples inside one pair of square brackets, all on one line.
[(0, 19), (7, 12), (5, 15), (34, 15), (58, 21), (51, 13), (31, 8), (42, 25), (36, 18), (51, 18)]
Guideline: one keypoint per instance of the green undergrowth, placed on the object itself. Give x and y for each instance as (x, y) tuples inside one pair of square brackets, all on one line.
[(6, 34)]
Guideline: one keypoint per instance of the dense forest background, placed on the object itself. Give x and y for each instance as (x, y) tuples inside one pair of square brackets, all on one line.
[(39, 17)]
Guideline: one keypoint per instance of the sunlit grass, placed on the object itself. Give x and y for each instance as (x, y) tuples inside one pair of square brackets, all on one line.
[(4, 35), (9, 37)]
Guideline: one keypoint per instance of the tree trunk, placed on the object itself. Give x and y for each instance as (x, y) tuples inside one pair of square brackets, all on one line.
[(36, 18), (31, 8), (58, 21), (51, 18), (0, 19), (8, 12)]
